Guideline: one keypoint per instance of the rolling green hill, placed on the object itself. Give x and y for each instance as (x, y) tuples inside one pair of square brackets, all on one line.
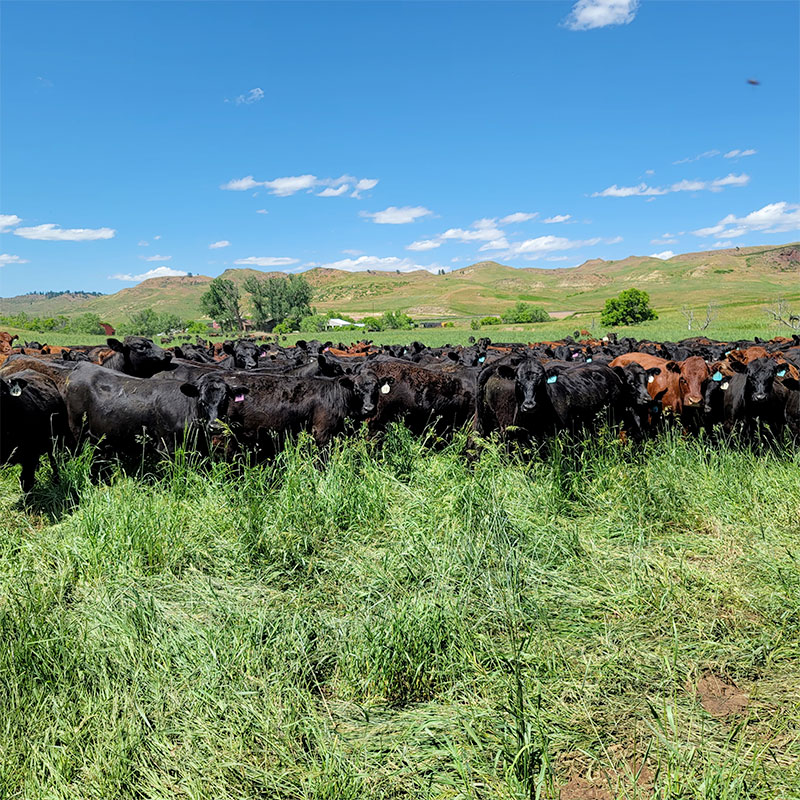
[(745, 276)]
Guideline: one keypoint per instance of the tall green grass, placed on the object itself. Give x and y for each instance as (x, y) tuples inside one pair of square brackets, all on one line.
[(393, 621)]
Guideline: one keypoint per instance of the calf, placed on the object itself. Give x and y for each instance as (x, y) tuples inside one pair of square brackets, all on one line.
[(137, 356)]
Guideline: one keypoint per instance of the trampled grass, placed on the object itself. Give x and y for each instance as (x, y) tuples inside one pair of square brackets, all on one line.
[(399, 621)]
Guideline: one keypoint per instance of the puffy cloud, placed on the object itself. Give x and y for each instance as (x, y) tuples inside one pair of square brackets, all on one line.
[(663, 255), (484, 233), (266, 261), (518, 216), (532, 249), (219, 244), (643, 190), (424, 244), (241, 184), (6, 259), (158, 272), (397, 216), (253, 96), (496, 244), (739, 153), (283, 187), (364, 185), (557, 218), (8, 221), (50, 232), (589, 14), (155, 258), (720, 245), (773, 218), (331, 192), (388, 264)]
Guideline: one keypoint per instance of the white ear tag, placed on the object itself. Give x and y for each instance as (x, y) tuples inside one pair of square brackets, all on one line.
[(724, 386), (385, 389), (651, 378), (16, 390)]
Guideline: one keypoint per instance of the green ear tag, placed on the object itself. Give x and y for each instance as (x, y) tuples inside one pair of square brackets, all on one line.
[(717, 376)]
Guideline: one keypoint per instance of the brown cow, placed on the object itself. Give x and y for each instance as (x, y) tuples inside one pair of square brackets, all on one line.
[(679, 387)]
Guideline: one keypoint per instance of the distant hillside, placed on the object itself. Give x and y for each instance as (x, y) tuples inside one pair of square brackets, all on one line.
[(748, 275)]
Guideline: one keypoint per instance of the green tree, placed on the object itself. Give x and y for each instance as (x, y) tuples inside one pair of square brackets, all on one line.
[(278, 300), (86, 323), (372, 324), (314, 323), (630, 307), (196, 326), (525, 312), (396, 320), (475, 324), (221, 303)]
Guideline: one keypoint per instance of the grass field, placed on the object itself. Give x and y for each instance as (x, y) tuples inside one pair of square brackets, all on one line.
[(404, 622)]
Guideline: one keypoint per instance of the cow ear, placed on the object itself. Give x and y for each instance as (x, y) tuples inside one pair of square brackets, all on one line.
[(673, 366), (653, 371), (65, 355), (177, 352), (238, 391), (791, 383), (190, 390), (506, 372), (115, 344), (302, 344), (347, 383), (227, 347), (453, 356), (621, 372), (737, 366)]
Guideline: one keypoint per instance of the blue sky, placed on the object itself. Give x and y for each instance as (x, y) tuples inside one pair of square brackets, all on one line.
[(163, 138)]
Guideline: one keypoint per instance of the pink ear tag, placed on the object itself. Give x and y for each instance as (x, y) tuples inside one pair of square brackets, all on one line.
[(238, 398)]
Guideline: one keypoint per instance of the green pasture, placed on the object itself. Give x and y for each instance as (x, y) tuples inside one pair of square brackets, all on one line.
[(403, 621)]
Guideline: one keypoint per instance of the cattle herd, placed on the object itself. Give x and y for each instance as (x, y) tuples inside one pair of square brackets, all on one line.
[(133, 396)]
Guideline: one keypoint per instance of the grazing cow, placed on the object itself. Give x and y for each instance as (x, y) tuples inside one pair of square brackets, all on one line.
[(241, 354), (137, 356), (118, 409), (32, 421)]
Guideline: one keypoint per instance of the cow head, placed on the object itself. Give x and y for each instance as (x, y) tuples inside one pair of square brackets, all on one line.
[(760, 376), (529, 378), (143, 357), (368, 386), (213, 395), (693, 375), (635, 378), (245, 353)]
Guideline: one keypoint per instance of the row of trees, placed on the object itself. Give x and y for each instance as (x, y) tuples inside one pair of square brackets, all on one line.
[(87, 323)]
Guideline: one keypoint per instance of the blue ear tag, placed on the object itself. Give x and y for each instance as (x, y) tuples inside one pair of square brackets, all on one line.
[(588, 360), (717, 376), (728, 352), (481, 359), (782, 373), (552, 379)]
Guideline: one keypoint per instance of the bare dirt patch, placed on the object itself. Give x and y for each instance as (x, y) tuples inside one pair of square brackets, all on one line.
[(719, 697)]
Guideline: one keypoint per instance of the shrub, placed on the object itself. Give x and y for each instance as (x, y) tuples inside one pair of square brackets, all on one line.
[(630, 307), (490, 321), (525, 312)]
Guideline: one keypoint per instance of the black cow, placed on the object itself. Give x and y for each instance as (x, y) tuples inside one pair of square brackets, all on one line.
[(137, 356), (242, 354), (119, 409), (32, 421)]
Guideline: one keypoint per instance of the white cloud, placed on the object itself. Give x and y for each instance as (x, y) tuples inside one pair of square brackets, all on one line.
[(495, 244), (707, 154), (388, 264), (267, 261), (241, 184), (663, 255), (482, 234), (253, 96), (719, 245), (532, 249), (739, 153), (155, 258), (667, 238), (773, 218), (158, 272), (424, 244), (8, 221), (143, 243), (219, 244), (157, 237), (364, 185), (353, 252), (262, 211), (50, 232), (643, 190), (397, 216), (519, 216), (557, 218), (331, 192), (589, 14), (283, 187), (649, 172), (557, 258), (6, 259)]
